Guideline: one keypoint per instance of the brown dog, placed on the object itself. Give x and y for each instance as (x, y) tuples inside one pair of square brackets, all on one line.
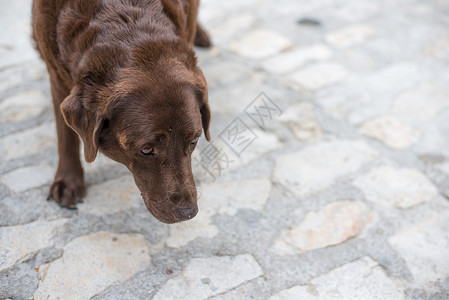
[(124, 77)]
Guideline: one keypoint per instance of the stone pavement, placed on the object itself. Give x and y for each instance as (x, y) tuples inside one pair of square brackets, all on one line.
[(333, 184)]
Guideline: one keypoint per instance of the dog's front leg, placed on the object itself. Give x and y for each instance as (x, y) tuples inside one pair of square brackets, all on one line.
[(68, 186)]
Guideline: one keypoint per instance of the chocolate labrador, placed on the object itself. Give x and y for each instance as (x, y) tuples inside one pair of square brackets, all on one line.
[(124, 78)]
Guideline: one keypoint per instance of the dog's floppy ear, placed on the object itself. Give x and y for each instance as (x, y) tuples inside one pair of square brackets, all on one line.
[(201, 87), (87, 123)]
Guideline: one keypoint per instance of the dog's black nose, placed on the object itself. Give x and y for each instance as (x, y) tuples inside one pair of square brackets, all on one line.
[(183, 212)]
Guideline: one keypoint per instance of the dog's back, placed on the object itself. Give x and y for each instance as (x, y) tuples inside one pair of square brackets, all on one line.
[(58, 24)]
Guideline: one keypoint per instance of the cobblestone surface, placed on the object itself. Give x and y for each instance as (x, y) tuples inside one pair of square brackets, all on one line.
[(338, 189)]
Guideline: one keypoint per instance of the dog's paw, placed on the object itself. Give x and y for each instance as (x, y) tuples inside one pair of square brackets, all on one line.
[(67, 191), (202, 38)]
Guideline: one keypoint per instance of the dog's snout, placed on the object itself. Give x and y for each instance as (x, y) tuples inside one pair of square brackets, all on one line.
[(185, 210), (185, 213)]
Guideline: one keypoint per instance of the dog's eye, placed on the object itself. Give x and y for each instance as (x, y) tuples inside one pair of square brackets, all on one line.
[(149, 151), (194, 141)]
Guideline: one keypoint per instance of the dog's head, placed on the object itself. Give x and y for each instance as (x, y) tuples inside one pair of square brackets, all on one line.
[(146, 111)]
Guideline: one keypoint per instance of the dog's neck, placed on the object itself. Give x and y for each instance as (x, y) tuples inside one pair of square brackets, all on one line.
[(131, 29)]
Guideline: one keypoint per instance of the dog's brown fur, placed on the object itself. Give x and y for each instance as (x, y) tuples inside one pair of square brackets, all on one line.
[(124, 78)]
